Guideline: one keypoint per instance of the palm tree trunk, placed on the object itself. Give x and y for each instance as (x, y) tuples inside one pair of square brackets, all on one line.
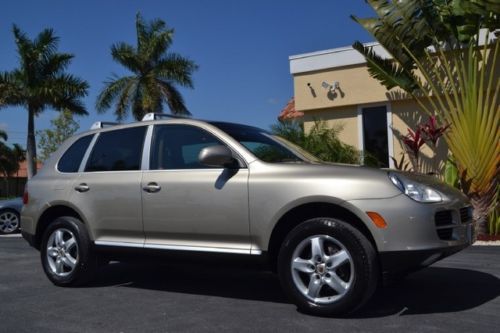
[(482, 203), (30, 144)]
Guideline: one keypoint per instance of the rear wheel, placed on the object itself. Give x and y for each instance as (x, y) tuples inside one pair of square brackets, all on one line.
[(67, 255), (9, 221), (327, 267)]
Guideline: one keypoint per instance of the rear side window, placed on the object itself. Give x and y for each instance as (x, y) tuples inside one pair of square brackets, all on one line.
[(71, 159), (117, 150)]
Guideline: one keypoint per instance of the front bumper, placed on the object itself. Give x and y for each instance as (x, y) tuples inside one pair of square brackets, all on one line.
[(396, 263), (413, 226)]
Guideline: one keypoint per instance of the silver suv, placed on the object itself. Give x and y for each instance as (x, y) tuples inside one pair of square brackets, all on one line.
[(331, 231)]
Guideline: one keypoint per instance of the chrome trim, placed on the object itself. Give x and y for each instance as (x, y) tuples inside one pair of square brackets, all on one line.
[(180, 247), (122, 244)]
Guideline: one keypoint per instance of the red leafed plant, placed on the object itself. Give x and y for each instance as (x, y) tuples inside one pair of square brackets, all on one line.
[(431, 132), (413, 141)]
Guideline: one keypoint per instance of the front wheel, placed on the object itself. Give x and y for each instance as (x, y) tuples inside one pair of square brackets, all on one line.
[(328, 267), (67, 255)]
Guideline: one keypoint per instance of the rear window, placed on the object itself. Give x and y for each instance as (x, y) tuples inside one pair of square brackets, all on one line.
[(117, 150), (72, 158)]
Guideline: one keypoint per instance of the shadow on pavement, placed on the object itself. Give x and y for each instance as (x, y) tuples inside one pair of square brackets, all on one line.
[(432, 290), (228, 278)]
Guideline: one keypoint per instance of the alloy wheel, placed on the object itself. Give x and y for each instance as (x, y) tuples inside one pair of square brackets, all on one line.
[(9, 222), (322, 269), (62, 252)]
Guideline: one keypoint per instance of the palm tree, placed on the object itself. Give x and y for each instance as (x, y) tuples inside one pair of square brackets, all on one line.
[(7, 163), (439, 61), (18, 156), (40, 82), (155, 74)]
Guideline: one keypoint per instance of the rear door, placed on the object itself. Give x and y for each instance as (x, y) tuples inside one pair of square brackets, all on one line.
[(108, 190), (187, 205)]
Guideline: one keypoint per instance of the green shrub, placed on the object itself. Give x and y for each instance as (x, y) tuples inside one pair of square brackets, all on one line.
[(321, 141)]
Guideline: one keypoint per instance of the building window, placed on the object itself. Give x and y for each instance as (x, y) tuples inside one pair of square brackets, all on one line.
[(375, 140)]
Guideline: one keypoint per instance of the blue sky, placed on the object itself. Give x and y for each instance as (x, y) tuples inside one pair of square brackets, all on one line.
[(242, 48)]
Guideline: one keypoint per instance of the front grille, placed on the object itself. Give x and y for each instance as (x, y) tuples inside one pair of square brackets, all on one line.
[(465, 214), (443, 218)]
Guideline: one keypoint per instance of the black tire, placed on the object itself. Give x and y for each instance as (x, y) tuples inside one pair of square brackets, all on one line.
[(11, 213), (362, 260), (86, 263)]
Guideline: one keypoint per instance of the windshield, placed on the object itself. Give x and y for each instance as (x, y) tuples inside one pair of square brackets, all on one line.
[(266, 146)]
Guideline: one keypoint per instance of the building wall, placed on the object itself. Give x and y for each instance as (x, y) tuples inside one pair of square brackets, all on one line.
[(358, 89), (346, 117), (404, 114), (356, 85)]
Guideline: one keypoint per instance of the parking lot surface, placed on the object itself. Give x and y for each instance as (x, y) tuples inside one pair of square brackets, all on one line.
[(458, 294)]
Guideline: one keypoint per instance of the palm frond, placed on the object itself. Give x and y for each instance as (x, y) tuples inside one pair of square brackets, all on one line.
[(3, 135), (174, 99), (389, 73), (55, 63), (45, 43), (112, 89), (174, 67), (125, 99), (126, 55)]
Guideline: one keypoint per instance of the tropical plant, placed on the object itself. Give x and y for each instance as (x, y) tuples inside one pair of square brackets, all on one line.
[(155, 74), (444, 56), (6, 156), (321, 141), (401, 164), (494, 221), (41, 81), (9, 158), (413, 141), (62, 127), (428, 132), (431, 131)]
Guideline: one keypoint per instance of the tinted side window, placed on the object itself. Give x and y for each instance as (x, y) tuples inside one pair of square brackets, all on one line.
[(178, 146), (117, 150), (71, 159)]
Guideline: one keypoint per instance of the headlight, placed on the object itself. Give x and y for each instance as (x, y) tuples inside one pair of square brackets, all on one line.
[(416, 191)]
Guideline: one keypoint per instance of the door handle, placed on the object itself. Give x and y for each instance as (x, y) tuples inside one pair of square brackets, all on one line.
[(152, 188), (82, 187)]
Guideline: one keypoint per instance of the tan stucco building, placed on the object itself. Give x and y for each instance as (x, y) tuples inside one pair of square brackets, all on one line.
[(335, 86)]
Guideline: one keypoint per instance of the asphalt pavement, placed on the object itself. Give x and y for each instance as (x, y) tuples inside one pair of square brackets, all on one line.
[(458, 294)]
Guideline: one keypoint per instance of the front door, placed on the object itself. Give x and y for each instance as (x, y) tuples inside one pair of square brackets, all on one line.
[(187, 205)]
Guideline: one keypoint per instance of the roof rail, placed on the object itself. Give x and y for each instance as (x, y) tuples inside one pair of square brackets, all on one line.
[(156, 116), (102, 124)]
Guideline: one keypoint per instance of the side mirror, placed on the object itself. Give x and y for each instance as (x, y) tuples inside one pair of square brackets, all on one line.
[(217, 156)]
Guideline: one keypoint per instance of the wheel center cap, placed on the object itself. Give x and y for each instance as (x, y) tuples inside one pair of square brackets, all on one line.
[(320, 268)]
